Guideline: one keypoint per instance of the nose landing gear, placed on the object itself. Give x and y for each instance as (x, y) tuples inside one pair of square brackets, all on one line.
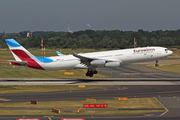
[(156, 63), (91, 72)]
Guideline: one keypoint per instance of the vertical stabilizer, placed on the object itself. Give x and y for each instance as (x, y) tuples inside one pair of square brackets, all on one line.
[(22, 56), (18, 51)]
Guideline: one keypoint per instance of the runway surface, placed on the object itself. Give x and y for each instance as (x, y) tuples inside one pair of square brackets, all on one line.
[(93, 81)]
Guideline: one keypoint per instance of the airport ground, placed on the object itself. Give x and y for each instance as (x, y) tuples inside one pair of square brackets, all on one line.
[(167, 95), (130, 80)]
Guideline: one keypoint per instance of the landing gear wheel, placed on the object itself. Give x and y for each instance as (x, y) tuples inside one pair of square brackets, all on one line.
[(91, 72), (156, 65), (91, 75), (95, 72)]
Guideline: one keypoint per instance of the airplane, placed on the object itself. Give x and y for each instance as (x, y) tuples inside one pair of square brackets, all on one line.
[(89, 61)]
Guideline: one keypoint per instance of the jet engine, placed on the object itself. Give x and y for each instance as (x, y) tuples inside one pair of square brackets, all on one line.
[(98, 62), (112, 64)]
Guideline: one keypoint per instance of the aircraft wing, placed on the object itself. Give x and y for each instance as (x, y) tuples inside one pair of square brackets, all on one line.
[(88, 60), (83, 58), (21, 63)]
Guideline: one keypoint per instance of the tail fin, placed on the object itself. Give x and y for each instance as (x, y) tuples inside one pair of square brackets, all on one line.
[(18, 51), (23, 57)]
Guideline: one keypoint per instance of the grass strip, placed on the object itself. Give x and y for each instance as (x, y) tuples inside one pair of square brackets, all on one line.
[(22, 72), (169, 67), (135, 103)]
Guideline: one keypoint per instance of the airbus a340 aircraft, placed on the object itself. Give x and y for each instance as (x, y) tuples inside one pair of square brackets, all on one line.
[(89, 61)]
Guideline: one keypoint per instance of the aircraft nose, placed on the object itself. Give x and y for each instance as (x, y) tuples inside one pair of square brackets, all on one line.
[(170, 52)]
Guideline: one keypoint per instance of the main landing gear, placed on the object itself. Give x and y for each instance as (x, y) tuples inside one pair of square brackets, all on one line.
[(91, 72), (156, 63)]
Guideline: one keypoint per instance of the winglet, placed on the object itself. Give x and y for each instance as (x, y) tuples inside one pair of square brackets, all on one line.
[(75, 54), (82, 58)]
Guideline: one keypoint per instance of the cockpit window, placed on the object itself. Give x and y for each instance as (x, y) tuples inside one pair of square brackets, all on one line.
[(166, 49)]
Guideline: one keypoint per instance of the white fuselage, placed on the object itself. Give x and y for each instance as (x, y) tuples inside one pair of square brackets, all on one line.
[(65, 62)]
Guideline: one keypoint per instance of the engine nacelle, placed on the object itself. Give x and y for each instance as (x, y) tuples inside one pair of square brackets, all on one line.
[(98, 62), (112, 64)]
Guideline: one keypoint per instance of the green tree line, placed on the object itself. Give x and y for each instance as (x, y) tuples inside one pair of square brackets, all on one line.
[(109, 39)]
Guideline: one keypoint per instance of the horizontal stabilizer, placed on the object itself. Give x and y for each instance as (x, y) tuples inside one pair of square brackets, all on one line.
[(21, 63)]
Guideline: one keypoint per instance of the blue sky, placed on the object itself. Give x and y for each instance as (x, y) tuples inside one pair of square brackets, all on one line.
[(54, 15)]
